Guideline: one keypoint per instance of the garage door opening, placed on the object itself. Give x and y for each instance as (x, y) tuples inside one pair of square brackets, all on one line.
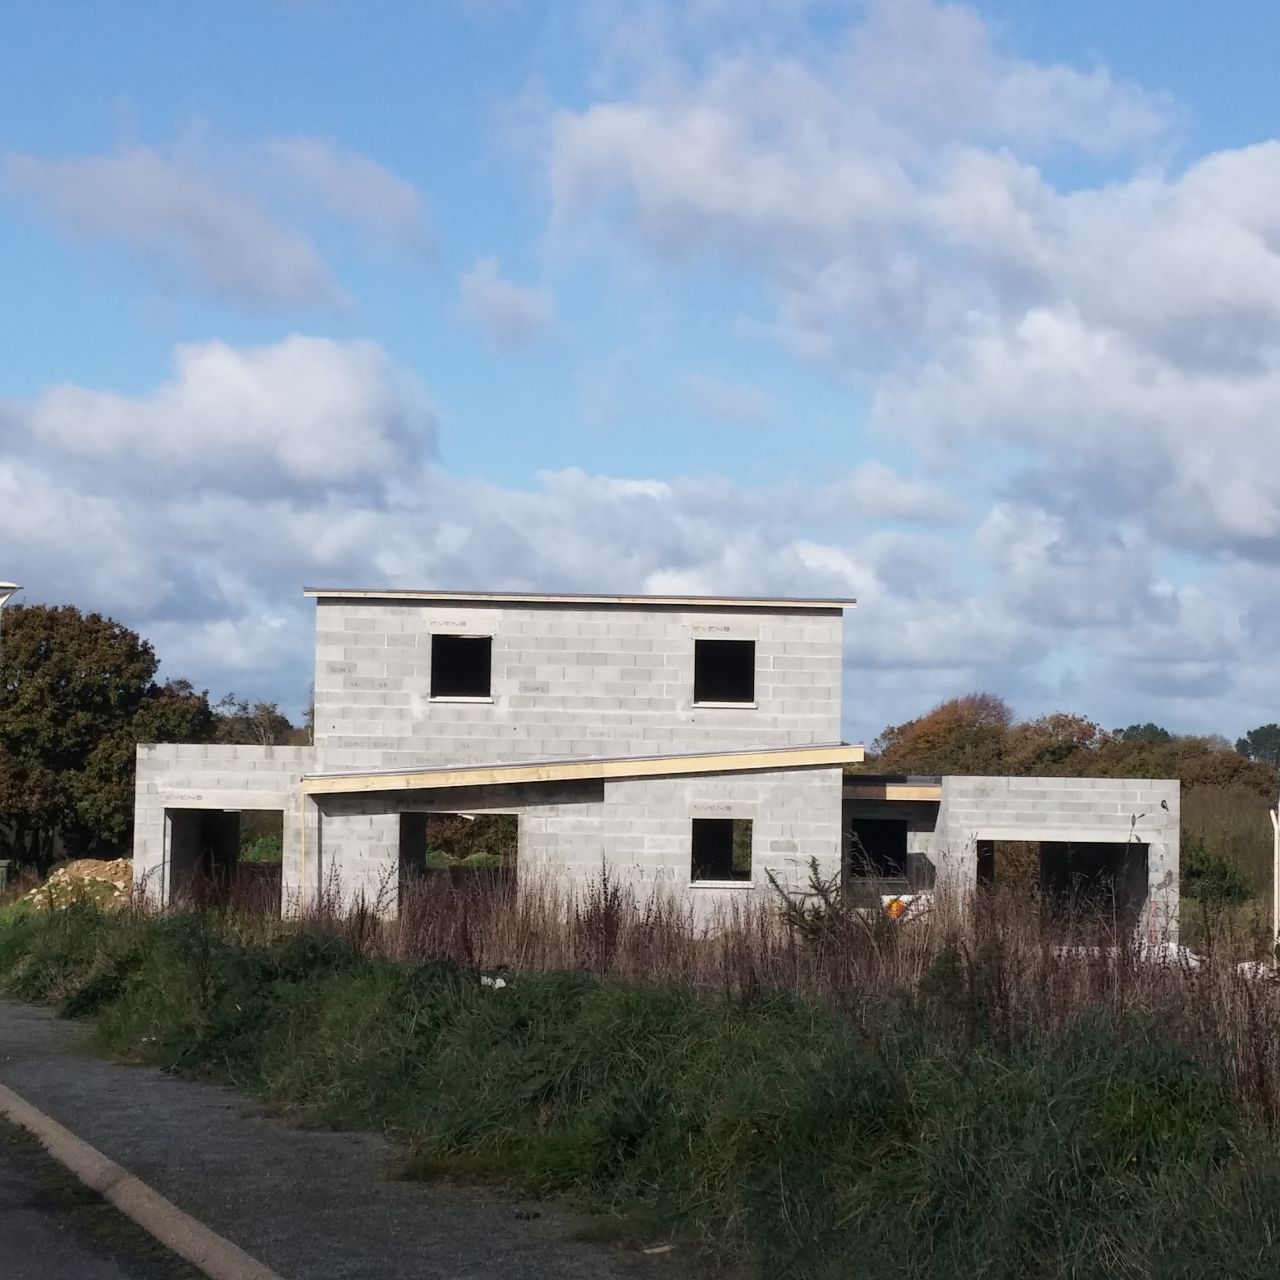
[(223, 856), (1094, 882), (1079, 883)]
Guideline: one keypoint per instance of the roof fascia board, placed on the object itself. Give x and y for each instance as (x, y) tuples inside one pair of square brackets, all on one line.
[(600, 601)]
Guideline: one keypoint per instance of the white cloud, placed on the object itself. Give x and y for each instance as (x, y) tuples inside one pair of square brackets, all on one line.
[(1188, 451), (509, 314), (206, 558), (893, 191), (213, 215), (228, 509), (355, 188), (729, 401), (935, 69), (1094, 366), (172, 214), (874, 491), (308, 411), (72, 545)]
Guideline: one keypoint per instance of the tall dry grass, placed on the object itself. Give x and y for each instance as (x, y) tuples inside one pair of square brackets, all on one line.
[(791, 1082), (1232, 823), (998, 967)]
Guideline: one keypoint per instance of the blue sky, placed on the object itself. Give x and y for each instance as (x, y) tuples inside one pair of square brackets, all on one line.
[(970, 311)]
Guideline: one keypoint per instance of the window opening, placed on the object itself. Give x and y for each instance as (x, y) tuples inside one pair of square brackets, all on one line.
[(458, 844), (461, 666), (721, 849), (724, 671)]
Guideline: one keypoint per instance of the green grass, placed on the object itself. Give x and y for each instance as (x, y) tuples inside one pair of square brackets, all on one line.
[(268, 848), (906, 1133)]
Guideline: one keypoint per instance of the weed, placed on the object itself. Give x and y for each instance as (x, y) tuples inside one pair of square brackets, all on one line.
[(792, 1089)]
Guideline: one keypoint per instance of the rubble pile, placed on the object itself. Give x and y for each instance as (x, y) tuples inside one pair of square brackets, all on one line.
[(105, 883)]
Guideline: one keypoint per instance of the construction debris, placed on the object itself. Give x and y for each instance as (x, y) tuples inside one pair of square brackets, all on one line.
[(106, 884)]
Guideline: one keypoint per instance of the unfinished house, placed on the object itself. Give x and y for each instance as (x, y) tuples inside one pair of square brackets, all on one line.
[(1089, 847), (691, 744)]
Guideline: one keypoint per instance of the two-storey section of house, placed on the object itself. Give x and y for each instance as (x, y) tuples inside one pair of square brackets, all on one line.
[(690, 744), (407, 678)]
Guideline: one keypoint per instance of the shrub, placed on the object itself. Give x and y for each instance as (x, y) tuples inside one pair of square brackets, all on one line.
[(263, 849), (1210, 878)]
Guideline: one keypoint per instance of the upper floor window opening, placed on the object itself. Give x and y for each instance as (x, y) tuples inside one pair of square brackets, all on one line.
[(461, 666), (724, 671)]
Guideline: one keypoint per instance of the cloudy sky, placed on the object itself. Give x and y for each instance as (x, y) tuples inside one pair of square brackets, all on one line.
[(970, 311)]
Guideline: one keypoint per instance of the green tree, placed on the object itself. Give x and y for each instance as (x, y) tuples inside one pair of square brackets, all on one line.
[(103, 790), (1211, 878), (77, 693), (1262, 743), (1149, 732), (260, 724)]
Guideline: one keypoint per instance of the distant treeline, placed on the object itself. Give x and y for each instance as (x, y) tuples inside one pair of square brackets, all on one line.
[(978, 734)]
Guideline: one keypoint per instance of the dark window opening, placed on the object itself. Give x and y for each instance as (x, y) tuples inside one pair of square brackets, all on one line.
[(724, 671), (459, 845), (1011, 865), (878, 848), (877, 861), (721, 849), (461, 666)]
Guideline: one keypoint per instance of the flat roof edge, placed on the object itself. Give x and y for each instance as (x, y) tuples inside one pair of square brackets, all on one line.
[(550, 598), (582, 769)]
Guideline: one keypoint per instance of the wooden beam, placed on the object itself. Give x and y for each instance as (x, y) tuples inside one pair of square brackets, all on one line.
[(901, 791), (581, 770)]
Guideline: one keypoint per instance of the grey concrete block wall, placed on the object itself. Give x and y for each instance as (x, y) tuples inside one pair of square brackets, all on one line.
[(182, 777), (795, 816), (642, 828), (568, 681), (1105, 810)]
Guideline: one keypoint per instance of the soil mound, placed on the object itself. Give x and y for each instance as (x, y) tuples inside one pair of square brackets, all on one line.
[(105, 883)]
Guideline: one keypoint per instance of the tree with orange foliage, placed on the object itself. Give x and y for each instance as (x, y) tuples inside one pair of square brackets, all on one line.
[(965, 735), (977, 734)]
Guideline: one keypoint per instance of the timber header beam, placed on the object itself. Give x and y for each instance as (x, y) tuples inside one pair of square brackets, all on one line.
[(581, 770), (902, 791)]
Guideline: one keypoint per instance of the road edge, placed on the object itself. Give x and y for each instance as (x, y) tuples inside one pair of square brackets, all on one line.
[(207, 1251)]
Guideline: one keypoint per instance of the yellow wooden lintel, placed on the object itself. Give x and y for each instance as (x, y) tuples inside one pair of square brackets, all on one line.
[(581, 770), (902, 791)]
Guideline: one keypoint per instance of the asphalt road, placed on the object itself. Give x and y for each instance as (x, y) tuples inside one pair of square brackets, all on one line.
[(53, 1228)]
